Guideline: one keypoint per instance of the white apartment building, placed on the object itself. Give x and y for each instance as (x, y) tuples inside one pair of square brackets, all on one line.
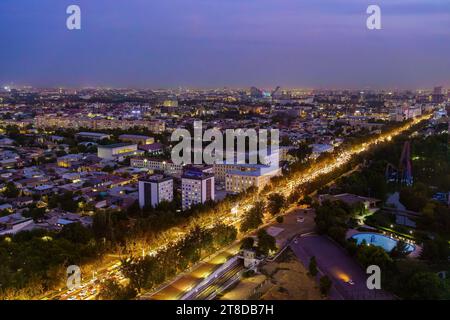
[(271, 159), (53, 121), (196, 187), (168, 167), (155, 189), (259, 176), (404, 113)]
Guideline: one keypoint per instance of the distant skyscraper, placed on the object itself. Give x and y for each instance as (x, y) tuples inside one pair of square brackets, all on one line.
[(438, 95), (154, 190), (438, 90), (256, 93)]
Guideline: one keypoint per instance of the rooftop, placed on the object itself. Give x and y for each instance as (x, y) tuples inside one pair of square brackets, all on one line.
[(115, 145)]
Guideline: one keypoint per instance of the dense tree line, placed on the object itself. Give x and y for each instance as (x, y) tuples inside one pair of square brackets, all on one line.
[(334, 217), (34, 261), (406, 278)]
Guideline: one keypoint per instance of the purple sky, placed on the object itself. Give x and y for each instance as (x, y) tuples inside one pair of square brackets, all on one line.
[(211, 43)]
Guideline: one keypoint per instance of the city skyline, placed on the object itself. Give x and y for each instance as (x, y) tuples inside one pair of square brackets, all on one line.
[(312, 44)]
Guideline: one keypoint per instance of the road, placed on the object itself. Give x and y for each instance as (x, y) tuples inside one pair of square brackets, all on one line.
[(190, 279), (89, 288), (334, 261), (233, 218)]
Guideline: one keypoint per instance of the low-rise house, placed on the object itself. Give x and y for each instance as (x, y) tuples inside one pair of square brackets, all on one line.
[(351, 199), (14, 223), (22, 202)]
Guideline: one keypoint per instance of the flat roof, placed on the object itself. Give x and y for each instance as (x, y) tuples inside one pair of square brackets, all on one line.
[(194, 175), (156, 178), (93, 133), (116, 145), (137, 136)]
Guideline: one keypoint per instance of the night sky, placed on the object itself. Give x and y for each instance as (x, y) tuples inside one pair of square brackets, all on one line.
[(212, 43)]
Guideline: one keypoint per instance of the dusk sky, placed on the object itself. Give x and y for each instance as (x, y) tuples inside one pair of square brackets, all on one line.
[(212, 43)]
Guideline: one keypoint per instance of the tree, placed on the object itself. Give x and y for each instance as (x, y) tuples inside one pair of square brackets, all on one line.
[(325, 285), (424, 286), (135, 270), (332, 218), (247, 243), (266, 242), (35, 213), (112, 290), (190, 248), (313, 266), (67, 203), (307, 200), (413, 199), (11, 191), (76, 233), (253, 218), (134, 209), (373, 255), (435, 250), (223, 235), (276, 203), (302, 153), (108, 169)]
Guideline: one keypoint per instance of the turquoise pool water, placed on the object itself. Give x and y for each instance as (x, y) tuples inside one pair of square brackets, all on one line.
[(379, 240)]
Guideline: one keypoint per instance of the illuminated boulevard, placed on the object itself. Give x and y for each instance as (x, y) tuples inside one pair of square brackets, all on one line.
[(185, 282)]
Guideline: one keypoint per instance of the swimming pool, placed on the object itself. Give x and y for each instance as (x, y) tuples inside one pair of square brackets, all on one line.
[(380, 240)]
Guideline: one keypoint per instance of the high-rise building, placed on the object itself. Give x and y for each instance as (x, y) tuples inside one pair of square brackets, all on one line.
[(155, 189), (197, 187), (256, 93), (438, 90), (438, 95)]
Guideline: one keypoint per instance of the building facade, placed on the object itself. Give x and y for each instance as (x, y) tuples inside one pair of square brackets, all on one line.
[(117, 151), (237, 181), (137, 139), (154, 190), (168, 167), (196, 187)]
